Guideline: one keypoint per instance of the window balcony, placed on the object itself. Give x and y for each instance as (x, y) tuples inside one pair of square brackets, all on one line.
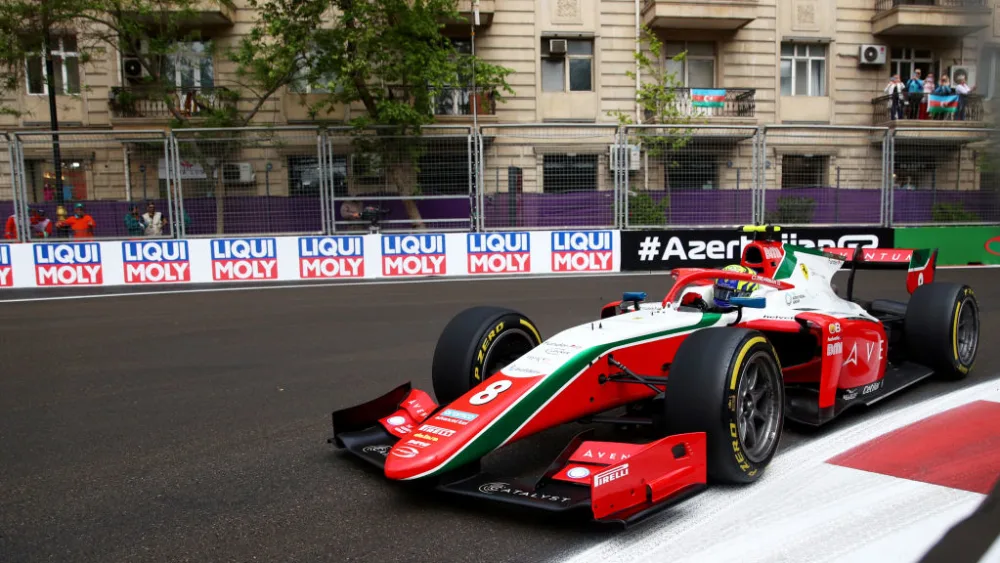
[(143, 102), (930, 18), (700, 14), (731, 103), (968, 113)]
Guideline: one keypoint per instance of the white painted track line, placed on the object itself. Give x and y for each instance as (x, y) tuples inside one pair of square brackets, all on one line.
[(804, 509)]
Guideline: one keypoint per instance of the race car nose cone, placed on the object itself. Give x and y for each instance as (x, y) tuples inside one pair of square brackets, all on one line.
[(406, 461)]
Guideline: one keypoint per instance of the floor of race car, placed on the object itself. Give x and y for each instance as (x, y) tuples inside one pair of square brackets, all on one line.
[(194, 426)]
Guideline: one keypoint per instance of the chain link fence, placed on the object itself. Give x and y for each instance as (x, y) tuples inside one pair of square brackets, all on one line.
[(542, 176), (820, 175), (8, 198), (93, 184), (688, 176), (943, 176), (399, 183)]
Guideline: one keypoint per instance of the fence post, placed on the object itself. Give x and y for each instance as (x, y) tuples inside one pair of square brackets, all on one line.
[(20, 194)]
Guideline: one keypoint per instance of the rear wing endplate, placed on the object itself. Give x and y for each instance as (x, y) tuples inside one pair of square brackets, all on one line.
[(920, 264)]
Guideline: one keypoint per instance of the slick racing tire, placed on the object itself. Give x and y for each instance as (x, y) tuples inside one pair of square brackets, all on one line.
[(942, 328), (477, 343), (727, 383)]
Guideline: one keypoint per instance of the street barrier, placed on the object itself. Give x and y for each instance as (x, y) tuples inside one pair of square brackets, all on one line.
[(286, 259)]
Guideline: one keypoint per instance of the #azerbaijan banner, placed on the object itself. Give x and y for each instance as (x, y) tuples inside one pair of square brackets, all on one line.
[(708, 98), (938, 104)]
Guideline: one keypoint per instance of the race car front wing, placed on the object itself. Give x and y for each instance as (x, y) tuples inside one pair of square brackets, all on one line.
[(616, 482)]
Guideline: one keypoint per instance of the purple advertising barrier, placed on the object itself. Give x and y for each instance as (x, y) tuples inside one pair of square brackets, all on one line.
[(277, 214)]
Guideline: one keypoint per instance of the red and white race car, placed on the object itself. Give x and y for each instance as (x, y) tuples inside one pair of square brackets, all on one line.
[(699, 384)]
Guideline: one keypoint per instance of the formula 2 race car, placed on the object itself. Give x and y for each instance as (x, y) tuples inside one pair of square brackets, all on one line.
[(712, 371)]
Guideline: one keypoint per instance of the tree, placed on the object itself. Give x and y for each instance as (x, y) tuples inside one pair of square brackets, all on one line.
[(658, 99), (391, 58)]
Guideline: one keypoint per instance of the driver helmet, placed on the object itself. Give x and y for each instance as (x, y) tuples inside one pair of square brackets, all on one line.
[(727, 289)]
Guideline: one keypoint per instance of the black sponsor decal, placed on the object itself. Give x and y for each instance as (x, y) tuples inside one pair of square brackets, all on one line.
[(710, 248)]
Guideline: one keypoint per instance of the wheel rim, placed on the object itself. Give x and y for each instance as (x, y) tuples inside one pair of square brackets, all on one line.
[(968, 332), (758, 407), (507, 347)]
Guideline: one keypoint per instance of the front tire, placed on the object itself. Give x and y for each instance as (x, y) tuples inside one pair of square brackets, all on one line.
[(942, 328), (477, 343), (727, 383)]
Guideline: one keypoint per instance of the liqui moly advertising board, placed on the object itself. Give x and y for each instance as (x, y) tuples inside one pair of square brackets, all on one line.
[(414, 255), (244, 259), (582, 251), (69, 263), (158, 261), (6, 271), (499, 253), (332, 257)]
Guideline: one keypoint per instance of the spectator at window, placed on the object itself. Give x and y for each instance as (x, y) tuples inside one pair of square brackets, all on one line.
[(943, 89), (80, 223), (897, 97), (133, 223), (154, 220), (963, 91), (914, 88), (928, 90)]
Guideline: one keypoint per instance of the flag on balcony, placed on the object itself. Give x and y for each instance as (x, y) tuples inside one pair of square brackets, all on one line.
[(938, 104), (708, 98)]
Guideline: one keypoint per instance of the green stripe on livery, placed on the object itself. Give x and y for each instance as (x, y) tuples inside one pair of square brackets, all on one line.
[(509, 422), (919, 259), (789, 261)]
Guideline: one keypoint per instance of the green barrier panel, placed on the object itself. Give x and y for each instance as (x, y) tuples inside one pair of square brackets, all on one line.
[(959, 246)]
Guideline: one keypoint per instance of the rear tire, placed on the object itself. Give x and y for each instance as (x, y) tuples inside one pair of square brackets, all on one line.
[(477, 343), (727, 383), (942, 328)]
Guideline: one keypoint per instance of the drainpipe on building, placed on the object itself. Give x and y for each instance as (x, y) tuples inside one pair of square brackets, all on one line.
[(638, 77)]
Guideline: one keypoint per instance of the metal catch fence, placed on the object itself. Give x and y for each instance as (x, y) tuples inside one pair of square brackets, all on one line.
[(311, 180)]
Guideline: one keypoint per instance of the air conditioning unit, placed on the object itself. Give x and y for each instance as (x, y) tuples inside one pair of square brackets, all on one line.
[(872, 55), (238, 173), (132, 69), (633, 156), (557, 46), (957, 70)]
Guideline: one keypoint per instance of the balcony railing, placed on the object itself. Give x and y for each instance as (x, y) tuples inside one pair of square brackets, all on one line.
[(886, 5), (712, 102), (152, 103), (453, 101), (914, 108)]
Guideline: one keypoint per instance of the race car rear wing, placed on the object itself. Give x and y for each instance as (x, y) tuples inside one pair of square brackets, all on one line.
[(920, 264)]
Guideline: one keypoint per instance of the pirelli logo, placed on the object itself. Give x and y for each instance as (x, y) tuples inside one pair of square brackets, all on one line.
[(437, 430), (610, 475)]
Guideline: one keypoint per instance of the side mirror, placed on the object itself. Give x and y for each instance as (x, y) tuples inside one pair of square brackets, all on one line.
[(751, 302), (634, 296)]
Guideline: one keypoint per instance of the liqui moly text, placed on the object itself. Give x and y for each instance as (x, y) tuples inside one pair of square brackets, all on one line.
[(244, 259), (581, 251), (6, 273), (499, 253), (71, 263), (413, 255), (160, 261), (331, 257)]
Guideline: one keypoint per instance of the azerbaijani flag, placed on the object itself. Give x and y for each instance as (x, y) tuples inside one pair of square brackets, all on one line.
[(708, 98), (937, 104)]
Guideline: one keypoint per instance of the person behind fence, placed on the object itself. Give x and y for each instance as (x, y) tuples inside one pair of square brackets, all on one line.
[(943, 89), (154, 220), (897, 97), (81, 224), (133, 222), (10, 229), (914, 89), (41, 226), (928, 87), (62, 229)]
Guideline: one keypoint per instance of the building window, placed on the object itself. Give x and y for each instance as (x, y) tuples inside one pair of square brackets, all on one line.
[(65, 66), (803, 171), (190, 65), (906, 60), (570, 173), (803, 70), (697, 68), (572, 71), (303, 175), (988, 72)]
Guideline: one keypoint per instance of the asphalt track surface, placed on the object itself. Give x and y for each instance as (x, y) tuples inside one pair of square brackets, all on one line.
[(193, 427)]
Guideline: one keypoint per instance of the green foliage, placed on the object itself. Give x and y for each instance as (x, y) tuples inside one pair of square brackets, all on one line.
[(952, 213), (792, 210), (644, 210)]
